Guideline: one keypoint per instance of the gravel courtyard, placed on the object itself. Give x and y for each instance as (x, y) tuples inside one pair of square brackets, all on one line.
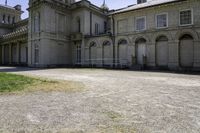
[(113, 101)]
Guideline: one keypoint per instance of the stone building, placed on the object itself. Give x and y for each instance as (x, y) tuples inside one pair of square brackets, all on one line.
[(13, 36), (161, 34)]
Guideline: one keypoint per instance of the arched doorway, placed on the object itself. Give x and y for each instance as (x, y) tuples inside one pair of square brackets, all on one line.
[(92, 53), (122, 51), (141, 51), (162, 51), (186, 51), (107, 53)]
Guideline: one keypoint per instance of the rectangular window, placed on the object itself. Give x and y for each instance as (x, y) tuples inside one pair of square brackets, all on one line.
[(4, 19), (96, 29), (13, 20), (8, 19), (61, 23), (162, 20), (105, 26), (37, 22), (141, 23), (36, 53), (186, 17), (78, 53)]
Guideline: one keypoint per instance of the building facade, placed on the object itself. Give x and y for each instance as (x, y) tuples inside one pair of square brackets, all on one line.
[(162, 34)]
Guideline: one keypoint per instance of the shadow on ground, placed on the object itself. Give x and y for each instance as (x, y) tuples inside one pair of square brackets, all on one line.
[(23, 69)]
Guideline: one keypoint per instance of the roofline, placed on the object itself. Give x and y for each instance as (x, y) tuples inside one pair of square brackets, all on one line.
[(22, 22), (145, 7), (10, 8), (90, 7)]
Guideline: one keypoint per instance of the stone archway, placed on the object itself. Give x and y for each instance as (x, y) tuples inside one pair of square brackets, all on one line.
[(122, 51), (92, 52), (186, 51), (162, 51), (141, 51), (107, 56)]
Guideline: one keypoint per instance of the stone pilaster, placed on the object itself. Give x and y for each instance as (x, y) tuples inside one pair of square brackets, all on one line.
[(10, 53), (116, 48), (83, 51), (151, 54), (197, 54), (18, 53)]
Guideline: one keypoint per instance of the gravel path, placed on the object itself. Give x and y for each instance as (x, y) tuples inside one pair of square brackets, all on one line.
[(113, 102)]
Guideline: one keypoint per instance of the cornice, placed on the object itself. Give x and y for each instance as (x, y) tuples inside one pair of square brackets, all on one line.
[(10, 10), (54, 4)]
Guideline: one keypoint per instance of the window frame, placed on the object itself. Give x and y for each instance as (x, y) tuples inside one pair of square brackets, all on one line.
[(3, 18), (97, 29), (192, 17), (145, 25), (36, 22), (8, 19), (167, 20), (36, 57)]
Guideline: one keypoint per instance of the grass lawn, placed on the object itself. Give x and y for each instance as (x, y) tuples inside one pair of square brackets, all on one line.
[(12, 83)]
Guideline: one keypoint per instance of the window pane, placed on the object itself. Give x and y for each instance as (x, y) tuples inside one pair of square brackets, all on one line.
[(140, 24), (96, 29), (36, 53), (185, 17), (162, 20)]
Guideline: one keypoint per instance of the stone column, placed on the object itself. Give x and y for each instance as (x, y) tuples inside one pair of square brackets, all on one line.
[(197, 54), (10, 53), (173, 55), (83, 51), (116, 54), (18, 53)]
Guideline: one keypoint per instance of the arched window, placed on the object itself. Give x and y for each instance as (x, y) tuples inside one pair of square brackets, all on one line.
[(106, 43), (141, 40), (92, 44), (122, 42), (161, 38), (186, 37)]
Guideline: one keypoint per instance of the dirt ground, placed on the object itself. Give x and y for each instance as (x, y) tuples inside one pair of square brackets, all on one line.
[(113, 101)]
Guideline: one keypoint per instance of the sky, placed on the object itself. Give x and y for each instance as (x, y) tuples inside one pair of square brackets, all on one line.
[(112, 4)]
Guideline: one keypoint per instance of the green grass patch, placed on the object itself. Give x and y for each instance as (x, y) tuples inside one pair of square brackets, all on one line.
[(11, 83)]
